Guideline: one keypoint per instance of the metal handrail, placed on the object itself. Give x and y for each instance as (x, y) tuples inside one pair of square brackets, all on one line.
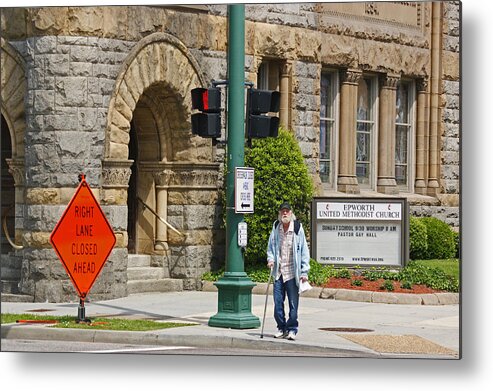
[(4, 224), (160, 218)]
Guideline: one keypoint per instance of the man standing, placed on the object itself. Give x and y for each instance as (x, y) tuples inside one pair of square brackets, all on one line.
[(289, 259)]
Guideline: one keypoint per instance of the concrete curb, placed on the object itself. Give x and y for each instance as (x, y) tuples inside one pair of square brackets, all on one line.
[(42, 332), (446, 298)]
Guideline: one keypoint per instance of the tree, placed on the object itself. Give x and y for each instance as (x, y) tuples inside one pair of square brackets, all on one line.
[(280, 175)]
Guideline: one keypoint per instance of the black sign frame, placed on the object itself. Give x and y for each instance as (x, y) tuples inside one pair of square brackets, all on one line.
[(404, 228)]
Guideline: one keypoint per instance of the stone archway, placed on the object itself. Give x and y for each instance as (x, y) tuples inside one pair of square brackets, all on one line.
[(13, 126), (158, 59), (149, 117), (13, 90)]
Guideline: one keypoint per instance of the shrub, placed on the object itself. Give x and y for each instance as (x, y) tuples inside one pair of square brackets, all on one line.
[(387, 285), (418, 238), (280, 175), (435, 278), (343, 273), (374, 274), (319, 274), (457, 244), (357, 282), (441, 241)]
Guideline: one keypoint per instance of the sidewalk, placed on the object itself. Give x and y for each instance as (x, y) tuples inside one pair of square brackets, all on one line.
[(393, 330)]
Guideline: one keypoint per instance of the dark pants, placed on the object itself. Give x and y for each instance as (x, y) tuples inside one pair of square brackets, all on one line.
[(282, 288)]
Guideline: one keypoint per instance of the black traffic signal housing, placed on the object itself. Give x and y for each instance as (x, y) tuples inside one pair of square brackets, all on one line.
[(259, 103), (207, 123)]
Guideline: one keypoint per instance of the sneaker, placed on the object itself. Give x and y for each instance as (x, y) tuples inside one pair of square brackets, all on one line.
[(280, 334), (291, 336)]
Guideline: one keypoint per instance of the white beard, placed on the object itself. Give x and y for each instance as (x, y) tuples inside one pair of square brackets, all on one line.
[(286, 219)]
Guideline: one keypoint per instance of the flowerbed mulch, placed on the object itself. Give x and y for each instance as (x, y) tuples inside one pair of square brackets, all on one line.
[(374, 286)]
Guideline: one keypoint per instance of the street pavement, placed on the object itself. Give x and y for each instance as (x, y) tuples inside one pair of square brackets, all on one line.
[(328, 327)]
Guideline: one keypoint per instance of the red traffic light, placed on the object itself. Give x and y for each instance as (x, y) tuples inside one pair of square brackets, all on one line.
[(206, 99)]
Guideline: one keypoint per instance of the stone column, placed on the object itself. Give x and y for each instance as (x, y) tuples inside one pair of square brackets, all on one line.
[(162, 182), (115, 177), (386, 138), (422, 137), (17, 170), (435, 110), (347, 181), (285, 92)]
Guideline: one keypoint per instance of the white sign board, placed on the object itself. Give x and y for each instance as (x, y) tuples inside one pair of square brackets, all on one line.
[(242, 234), (359, 211), (244, 189), (359, 232)]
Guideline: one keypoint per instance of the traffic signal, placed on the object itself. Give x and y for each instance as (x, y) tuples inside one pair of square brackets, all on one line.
[(259, 103), (207, 123)]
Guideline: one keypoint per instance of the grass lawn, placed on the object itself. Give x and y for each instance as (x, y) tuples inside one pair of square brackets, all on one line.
[(117, 324), (448, 266)]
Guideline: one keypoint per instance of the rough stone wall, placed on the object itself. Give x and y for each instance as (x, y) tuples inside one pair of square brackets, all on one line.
[(70, 80), (306, 112), (197, 213), (450, 153), (447, 208)]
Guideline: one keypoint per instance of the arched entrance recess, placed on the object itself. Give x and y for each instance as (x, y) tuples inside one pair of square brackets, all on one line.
[(13, 125), (150, 152)]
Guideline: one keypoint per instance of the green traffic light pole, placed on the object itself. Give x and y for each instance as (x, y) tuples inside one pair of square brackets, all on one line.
[(235, 288)]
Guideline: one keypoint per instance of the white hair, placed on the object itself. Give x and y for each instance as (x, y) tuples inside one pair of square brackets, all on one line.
[(291, 217)]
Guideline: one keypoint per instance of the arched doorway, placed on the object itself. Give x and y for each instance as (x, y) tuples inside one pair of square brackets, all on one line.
[(8, 189), (155, 167)]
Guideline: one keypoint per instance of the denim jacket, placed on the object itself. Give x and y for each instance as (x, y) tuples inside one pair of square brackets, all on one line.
[(301, 255)]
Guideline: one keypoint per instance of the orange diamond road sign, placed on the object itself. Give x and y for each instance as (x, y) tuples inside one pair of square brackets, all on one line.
[(83, 239)]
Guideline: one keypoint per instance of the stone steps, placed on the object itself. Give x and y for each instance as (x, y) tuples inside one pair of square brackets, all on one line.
[(145, 273), (144, 278), (9, 286), (162, 285), (13, 298), (11, 274), (139, 260)]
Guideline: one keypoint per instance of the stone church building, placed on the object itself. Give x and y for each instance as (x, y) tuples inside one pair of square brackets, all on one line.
[(370, 90)]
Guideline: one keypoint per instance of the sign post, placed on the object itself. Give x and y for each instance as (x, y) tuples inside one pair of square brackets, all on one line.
[(235, 288), (83, 240)]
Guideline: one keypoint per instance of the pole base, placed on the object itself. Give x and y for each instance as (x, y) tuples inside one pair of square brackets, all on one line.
[(234, 304)]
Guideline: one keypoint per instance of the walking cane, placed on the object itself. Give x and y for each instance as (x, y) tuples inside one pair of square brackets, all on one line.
[(266, 298)]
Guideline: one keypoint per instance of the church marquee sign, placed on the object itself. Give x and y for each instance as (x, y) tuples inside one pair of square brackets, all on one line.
[(360, 231)]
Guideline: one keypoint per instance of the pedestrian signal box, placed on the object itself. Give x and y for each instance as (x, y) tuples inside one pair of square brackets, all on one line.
[(207, 123), (259, 103)]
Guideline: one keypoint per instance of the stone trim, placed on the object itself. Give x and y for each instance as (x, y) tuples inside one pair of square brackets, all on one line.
[(389, 81), (446, 298), (17, 169), (116, 173), (13, 91), (371, 17), (146, 65), (351, 76), (183, 175)]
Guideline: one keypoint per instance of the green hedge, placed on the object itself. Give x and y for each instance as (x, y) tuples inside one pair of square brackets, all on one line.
[(431, 238), (418, 239), (280, 175), (441, 239)]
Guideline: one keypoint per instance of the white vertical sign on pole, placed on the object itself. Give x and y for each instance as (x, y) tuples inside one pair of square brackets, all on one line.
[(244, 189)]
